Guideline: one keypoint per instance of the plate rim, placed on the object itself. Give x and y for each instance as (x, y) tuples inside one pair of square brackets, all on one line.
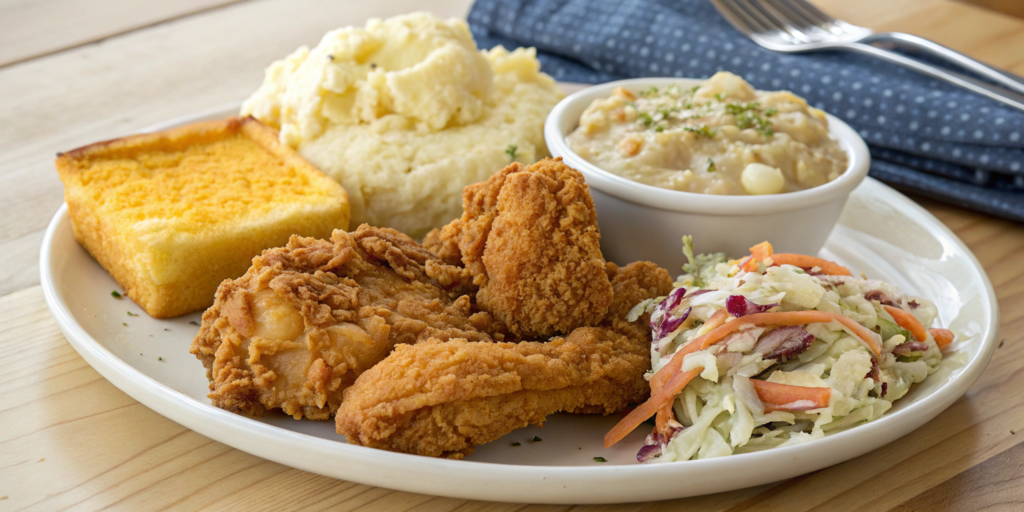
[(595, 481)]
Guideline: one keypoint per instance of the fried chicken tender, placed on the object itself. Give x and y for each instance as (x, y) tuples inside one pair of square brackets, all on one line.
[(306, 319), (529, 238), (442, 398)]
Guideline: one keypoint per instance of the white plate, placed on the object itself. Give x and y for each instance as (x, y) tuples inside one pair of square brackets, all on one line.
[(881, 233)]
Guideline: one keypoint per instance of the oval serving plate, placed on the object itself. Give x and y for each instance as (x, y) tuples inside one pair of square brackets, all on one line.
[(881, 233)]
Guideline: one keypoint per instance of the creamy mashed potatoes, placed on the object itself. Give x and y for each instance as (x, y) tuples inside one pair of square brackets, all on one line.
[(405, 112), (723, 137)]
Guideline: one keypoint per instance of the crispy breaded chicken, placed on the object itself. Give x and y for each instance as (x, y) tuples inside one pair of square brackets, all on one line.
[(306, 319), (443, 398), (529, 238)]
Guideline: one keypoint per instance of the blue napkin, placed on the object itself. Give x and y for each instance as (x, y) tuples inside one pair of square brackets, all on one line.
[(926, 137)]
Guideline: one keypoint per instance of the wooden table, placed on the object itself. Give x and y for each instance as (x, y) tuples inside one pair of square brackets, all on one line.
[(78, 71)]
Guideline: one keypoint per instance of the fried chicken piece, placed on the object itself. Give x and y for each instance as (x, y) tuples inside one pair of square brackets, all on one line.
[(306, 319), (529, 238), (443, 398)]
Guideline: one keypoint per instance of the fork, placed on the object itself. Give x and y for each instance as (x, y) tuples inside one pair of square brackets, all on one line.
[(795, 26)]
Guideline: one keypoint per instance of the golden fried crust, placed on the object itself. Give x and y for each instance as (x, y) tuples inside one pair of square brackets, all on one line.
[(442, 399), (308, 318), (530, 240), (633, 284)]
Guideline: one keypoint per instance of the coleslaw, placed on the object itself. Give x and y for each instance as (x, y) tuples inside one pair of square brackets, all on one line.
[(775, 350)]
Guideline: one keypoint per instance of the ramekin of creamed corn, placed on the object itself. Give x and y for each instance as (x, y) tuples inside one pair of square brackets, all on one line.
[(715, 159)]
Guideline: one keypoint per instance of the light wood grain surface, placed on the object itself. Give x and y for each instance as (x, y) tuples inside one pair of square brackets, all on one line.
[(77, 71)]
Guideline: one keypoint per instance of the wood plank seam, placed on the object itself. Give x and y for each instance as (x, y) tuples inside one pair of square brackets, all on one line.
[(143, 26), (184, 431)]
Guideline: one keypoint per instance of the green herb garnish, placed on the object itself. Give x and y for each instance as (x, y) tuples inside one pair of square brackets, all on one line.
[(749, 116), (132, 314), (537, 439), (517, 443), (694, 89), (159, 359), (703, 131), (645, 118), (600, 459), (739, 108), (720, 96), (752, 120), (659, 128), (511, 152), (124, 324), (650, 91), (115, 295), (711, 165)]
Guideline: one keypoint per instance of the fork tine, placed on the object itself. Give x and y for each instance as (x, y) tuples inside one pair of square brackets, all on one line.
[(725, 8), (776, 20), (756, 25), (811, 12), (823, 22), (786, 9), (809, 26), (753, 23)]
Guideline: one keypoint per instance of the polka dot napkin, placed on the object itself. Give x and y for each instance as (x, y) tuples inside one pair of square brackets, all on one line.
[(925, 136)]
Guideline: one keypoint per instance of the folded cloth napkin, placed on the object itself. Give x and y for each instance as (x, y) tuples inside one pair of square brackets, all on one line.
[(926, 136)]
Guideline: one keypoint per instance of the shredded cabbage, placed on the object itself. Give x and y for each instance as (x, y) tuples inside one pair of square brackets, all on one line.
[(721, 410)]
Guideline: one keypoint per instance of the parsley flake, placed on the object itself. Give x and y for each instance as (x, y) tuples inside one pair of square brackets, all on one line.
[(115, 295), (537, 439), (132, 314), (650, 91), (703, 131), (711, 165), (517, 443), (749, 116), (600, 459), (159, 359), (124, 324), (511, 152)]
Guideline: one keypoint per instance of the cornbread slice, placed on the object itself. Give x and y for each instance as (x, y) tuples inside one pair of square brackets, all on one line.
[(172, 214)]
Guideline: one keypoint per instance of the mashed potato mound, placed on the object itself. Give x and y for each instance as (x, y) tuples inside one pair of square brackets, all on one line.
[(405, 112)]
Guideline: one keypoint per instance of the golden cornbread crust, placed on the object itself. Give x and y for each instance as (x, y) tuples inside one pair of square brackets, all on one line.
[(172, 214)]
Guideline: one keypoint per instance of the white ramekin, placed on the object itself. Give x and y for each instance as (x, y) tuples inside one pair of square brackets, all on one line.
[(642, 222)]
